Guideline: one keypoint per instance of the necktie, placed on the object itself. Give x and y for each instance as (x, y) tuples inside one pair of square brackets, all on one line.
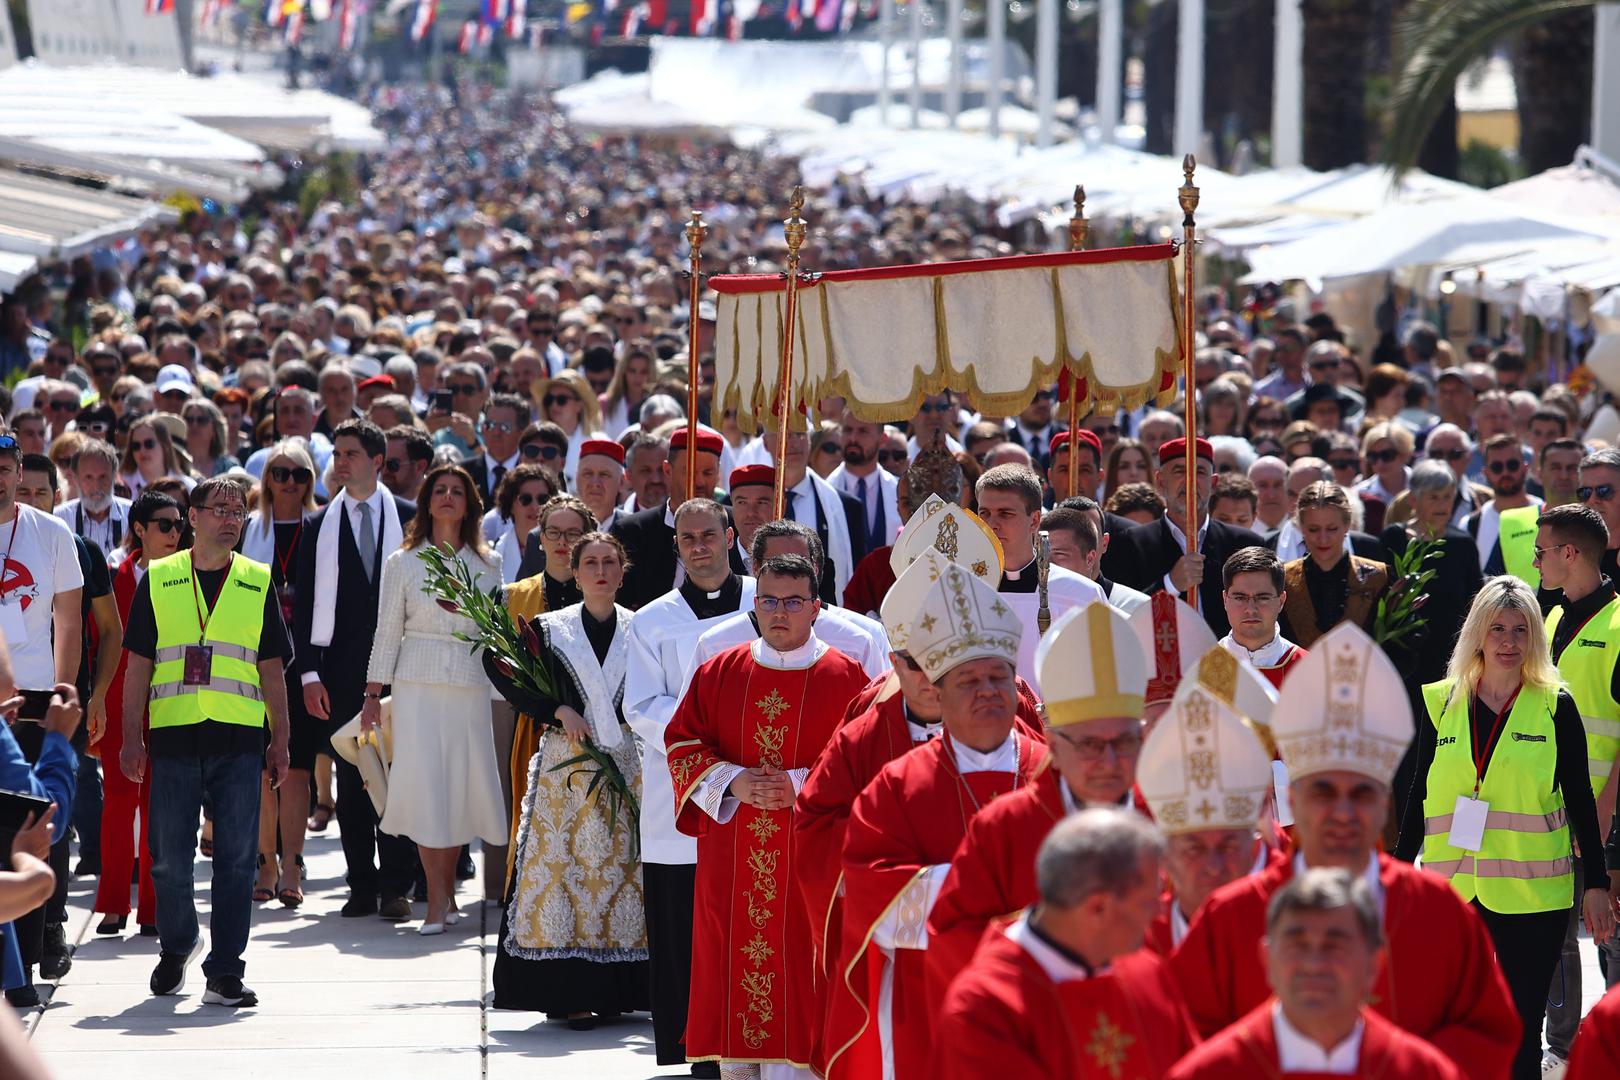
[(880, 521), (787, 504), (495, 481), (366, 542)]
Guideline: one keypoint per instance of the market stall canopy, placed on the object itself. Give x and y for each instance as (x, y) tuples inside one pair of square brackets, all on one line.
[(994, 329), (14, 267), (55, 220), (1588, 188)]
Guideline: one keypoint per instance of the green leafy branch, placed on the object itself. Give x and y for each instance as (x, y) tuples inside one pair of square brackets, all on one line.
[(1398, 609)]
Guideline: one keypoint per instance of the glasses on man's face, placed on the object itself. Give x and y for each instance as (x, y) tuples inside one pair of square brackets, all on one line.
[(64, 406), (498, 425), (283, 473), (887, 456), (1449, 455), (167, 525), (558, 536), (1244, 600), (1091, 748), (1508, 465), (393, 464), (1324, 365), (1602, 492), (554, 401), (1382, 457), (1543, 552), (830, 448), (224, 513), (770, 605), (148, 443), (462, 389), (934, 407), (541, 452)]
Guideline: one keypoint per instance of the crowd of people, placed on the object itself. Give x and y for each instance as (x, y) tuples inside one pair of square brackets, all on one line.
[(969, 763)]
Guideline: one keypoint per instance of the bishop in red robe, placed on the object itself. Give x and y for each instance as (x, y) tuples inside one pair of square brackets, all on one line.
[(1248, 1050), (1596, 1053)]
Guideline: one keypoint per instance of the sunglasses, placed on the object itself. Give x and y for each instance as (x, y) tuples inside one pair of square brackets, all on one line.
[(462, 390), (892, 455), (96, 427), (541, 451), (1604, 492), (498, 425), (8, 442), (940, 407), (1512, 465), (143, 444), (64, 406), (392, 464), (1382, 457), (831, 448), (166, 525), (554, 400), (282, 473), (524, 498), (105, 371), (1344, 463), (198, 420), (1449, 455)]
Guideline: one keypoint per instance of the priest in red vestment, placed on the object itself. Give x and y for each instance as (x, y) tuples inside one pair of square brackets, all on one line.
[(1321, 956), (740, 746), (1596, 1053), (1254, 597), (904, 826), (1067, 992), (1342, 723)]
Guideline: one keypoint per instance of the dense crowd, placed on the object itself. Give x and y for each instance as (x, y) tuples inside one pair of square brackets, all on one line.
[(975, 671)]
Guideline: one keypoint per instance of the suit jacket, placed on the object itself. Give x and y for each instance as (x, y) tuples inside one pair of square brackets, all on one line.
[(1141, 557), (1369, 579), (342, 664), (889, 486), (650, 545)]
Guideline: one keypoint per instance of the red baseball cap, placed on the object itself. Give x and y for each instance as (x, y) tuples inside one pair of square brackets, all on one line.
[(382, 382)]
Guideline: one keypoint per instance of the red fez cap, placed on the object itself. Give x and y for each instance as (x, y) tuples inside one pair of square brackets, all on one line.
[(1060, 441), (605, 447), (380, 382), (1177, 448), (748, 475), (708, 442)]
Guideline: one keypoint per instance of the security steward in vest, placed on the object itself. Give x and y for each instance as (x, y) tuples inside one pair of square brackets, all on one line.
[(1583, 630), (207, 645), (1505, 790)]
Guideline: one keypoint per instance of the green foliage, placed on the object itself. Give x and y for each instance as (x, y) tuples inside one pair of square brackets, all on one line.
[(1398, 611), (1487, 166), (336, 179)]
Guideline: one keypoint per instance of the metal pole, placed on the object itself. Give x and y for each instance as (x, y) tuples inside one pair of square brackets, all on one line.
[(953, 89), (996, 34), (916, 63), (1190, 76), (794, 230), (1046, 35), (1187, 196), (1288, 106), (1606, 81), (1078, 228), (1110, 65), (695, 235), (886, 36)]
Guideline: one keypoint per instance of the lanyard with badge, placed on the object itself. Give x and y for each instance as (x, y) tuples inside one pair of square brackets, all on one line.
[(12, 624), (1468, 818), (200, 657)]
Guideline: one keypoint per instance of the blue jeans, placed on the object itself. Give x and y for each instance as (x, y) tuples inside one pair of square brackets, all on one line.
[(230, 782)]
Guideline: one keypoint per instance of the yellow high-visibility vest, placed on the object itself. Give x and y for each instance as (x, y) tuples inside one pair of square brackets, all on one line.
[(232, 694)]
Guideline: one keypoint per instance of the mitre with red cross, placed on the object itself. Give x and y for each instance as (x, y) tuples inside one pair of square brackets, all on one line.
[(958, 534), (1202, 767), (1173, 637), (1343, 708)]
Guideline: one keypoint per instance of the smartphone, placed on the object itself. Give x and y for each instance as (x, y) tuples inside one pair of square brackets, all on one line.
[(35, 704), (441, 400)]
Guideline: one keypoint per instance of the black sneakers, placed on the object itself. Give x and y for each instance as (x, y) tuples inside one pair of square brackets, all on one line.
[(228, 990), (169, 977), (56, 958)]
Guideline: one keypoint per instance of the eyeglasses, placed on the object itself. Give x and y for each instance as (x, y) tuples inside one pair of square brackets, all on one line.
[(934, 407), (770, 605), (1449, 455), (554, 400), (462, 389), (282, 473), (525, 498), (1092, 749), (892, 455), (1604, 492), (557, 535), (223, 513), (144, 444), (1382, 457), (392, 464), (167, 525), (1497, 468), (105, 371), (830, 448), (199, 420), (1541, 552), (542, 451), (1345, 463), (64, 406), (498, 425), (1243, 600), (1324, 365)]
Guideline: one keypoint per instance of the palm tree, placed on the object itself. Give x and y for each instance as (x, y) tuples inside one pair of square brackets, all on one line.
[(1441, 38)]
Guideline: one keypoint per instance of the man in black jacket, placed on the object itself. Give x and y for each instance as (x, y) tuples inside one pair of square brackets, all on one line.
[(1154, 556)]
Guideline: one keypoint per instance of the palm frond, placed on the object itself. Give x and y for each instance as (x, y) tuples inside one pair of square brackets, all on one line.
[(1438, 40)]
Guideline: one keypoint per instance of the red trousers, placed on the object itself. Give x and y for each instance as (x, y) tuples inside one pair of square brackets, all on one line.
[(120, 800)]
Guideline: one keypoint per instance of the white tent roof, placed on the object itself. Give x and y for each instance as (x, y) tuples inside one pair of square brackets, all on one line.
[(1584, 189), (51, 219), (14, 266)]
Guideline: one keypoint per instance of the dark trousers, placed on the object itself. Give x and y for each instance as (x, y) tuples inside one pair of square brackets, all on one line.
[(668, 891), (87, 807), (1527, 950)]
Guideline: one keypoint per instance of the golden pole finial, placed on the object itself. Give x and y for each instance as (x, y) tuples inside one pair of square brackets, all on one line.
[(1079, 226), (794, 230), (696, 233), (1187, 196)]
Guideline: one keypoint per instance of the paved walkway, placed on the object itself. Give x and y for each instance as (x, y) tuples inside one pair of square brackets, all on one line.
[(354, 999), (339, 998)]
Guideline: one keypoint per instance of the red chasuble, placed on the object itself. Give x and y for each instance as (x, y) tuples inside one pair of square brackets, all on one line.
[(1005, 1017), (1029, 704), (1248, 1051), (754, 993), (1276, 674), (911, 817), (1596, 1053), (1438, 978)]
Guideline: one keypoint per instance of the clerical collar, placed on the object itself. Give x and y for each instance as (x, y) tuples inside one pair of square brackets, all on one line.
[(708, 605), (1266, 656), (922, 730), (794, 659), (1003, 758), (1072, 805), (1026, 579), (1299, 1053), (1060, 964)]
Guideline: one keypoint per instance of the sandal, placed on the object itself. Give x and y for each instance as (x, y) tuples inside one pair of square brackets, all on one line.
[(205, 847), (263, 893), (293, 896), (322, 817)]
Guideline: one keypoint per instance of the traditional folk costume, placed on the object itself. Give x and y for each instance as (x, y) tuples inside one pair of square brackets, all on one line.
[(754, 977), (574, 935), (1344, 708), (1027, 1008), (1274, 660), (898, 843), (1263, 1045), (663, 635)]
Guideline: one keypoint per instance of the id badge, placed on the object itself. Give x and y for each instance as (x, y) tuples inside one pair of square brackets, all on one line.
[(12, 624), (199, 664), (1468, 824)]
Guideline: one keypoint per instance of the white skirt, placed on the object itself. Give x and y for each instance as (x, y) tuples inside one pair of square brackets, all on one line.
[(444, 786)]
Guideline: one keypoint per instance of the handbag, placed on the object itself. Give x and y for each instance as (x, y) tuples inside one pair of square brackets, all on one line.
[(369, 751)]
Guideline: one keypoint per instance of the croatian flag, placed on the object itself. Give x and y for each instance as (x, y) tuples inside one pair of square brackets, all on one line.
[(703, 17), (159, 7), (348, 24), (295, 27), (469, 33), (516, 23), (422, 22)]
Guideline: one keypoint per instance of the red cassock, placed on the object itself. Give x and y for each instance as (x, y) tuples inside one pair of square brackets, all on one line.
[(871, 581), (1596, 1053), (1438, 978), (1005, 1017), (911, 817), (754, 993), (1248, 1051)]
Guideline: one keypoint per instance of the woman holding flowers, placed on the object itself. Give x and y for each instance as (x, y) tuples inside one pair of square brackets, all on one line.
[(573, 938), (444, 786)]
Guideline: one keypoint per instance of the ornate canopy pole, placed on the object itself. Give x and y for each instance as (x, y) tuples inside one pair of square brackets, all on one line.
[(695, 235), (794, 229), (1079, 226), (1187, 195)]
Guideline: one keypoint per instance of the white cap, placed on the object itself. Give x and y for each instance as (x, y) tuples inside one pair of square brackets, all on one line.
[(956, 533), (174, 377), (962, 619), (1343, 707), (1201, 766), (907, 594), (1090, 665), (1173, 637)]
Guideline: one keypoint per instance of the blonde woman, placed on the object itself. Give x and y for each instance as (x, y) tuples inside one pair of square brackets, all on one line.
[(567, 400), (1329, 585), (1502, 776), (151, 454), (206, 440)]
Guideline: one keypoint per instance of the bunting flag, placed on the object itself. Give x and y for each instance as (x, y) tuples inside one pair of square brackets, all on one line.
[(496, 11), (703, 17), (348, 24), (468, 35), (211, 12), (422, 21), (516, 23), (828, 15), (159, 7), (295, 27)]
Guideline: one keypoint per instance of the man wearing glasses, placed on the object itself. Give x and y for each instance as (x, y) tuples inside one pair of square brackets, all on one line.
[(97, 514), (410, 455), (502, 426), (1504, 530), (1600, 489), (1033, 428), (1254, 596), (542, 327), (454, 422), (936, 420)]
